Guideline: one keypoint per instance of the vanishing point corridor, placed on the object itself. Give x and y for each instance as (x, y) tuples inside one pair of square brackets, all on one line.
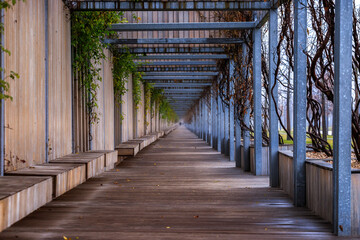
[(177, 188)]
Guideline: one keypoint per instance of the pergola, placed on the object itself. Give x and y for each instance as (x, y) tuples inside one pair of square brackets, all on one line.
[(185, 72)]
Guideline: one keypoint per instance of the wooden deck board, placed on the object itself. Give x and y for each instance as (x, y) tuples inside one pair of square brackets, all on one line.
[(194, 194)]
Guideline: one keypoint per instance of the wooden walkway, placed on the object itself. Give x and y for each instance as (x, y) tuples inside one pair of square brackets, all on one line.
[(177, 188)]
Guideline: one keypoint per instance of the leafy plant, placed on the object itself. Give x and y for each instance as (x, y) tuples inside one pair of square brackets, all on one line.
[(4, 85), (88, 31)]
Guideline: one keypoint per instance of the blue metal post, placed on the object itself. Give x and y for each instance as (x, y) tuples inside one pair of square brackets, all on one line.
[(222, 127), (231, 113), (2, 117), (237, 143), (226, 130), (213, 119), (46, 5), (246, 133), (300, 35), (219, 124), (273, 118), (342, 113), (257, 100)]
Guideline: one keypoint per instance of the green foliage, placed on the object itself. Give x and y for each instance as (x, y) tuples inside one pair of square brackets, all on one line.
[(4, 85), (137, 81), (167, 112), (165, 109), (148, 88), (87, 32), (123, 68)]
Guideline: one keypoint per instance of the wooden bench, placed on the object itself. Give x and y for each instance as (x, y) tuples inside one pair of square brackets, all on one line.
[(65, 176), (127, 149), (111, 158), (94, 161), (20, 196), (141, 142)]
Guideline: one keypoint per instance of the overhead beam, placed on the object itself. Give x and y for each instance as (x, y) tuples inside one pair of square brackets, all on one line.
[(171, 69), (179, 77), (175, 41), (183, 56), (133, 27), (177, 63), (181, 73), (116, 5), (155, 50), (180, 81), (161, 85)]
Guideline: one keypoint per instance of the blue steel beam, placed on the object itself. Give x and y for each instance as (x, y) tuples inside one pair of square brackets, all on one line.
[(116, 5), (178, 63), (190, 26), (300, 75), (145, 69), (342, 113), (162, 50), (273, 118), (181, 73), (257, 101), (183, 56), (175, 41), (161, 85), (178, 77)]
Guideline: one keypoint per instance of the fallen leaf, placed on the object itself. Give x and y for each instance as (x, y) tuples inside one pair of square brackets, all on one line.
[(265, 229), (341, 228), (128, 180), (117, 170), (154, 164), (196, 216), (115, 182), (65, 238), (167, 227)]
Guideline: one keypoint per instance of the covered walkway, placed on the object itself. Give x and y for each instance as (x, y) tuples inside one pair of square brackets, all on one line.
[(177, 188)]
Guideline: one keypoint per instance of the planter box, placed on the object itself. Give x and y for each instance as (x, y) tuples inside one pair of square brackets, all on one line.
[(319, 192), (265, 158), (286, 172), (319, 187)]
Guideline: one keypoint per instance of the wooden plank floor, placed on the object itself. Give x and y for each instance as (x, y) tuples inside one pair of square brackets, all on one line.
[(177, 188)]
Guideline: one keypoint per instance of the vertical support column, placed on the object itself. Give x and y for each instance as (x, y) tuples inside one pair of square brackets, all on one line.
[(300, 35), (257, 100), (342, 113), (2, 117), (211, 125), (246, 134), (273, 122), (237, 144), (219, 125), (222, 127), (46, 23), (226, 130), (231, 113), (206, 118)]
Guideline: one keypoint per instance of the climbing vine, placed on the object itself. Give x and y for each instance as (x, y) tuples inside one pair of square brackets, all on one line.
[(4, 85), (137, 81), (165, 109), (88, 31), (148, 87)]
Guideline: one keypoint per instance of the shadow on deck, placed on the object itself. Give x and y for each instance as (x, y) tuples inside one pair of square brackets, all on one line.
[(177, 188)]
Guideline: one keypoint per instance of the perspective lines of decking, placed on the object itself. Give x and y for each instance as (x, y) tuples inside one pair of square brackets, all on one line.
[(177, 188)]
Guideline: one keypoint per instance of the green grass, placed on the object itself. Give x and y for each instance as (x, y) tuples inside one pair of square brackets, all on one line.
[(308, 140)]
